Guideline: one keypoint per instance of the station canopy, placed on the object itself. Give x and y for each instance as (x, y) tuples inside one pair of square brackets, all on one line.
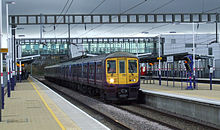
[(179, 16)]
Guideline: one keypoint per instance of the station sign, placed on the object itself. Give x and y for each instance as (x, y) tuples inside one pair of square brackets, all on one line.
[(4, 50), (169, 59), (159, 58)]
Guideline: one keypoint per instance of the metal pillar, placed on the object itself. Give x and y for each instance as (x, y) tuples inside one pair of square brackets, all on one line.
[(216, 24), (159, 63), (16, 56), (167, 73), (13, 55), (210, 76), (1, 65), (8, 56), (31, 67), (173, 75), (20, 71), (19, 55), (194, 57)]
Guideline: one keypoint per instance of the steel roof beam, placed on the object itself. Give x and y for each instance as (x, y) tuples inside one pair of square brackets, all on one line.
[(114, 18)]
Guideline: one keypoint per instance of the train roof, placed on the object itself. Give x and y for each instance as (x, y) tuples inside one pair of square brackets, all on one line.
[(121, 54), (98, 58)]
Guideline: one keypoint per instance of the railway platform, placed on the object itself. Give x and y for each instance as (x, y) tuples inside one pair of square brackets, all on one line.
[(202, 90), (35, 106), (200, 105)]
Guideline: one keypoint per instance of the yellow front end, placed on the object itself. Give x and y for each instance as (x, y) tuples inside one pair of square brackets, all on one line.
[(122, 70)]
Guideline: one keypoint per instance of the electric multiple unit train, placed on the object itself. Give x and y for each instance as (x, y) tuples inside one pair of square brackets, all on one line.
[(112, 76)]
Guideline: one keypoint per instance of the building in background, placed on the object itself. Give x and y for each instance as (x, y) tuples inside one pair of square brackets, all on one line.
[(205, 44)]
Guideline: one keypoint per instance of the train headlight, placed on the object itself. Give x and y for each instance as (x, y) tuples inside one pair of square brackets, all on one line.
[(132, 80), (112, 80)]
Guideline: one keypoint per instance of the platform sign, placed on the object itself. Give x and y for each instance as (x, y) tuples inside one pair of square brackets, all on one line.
[(169, 59), (4, 50), (159, 58)]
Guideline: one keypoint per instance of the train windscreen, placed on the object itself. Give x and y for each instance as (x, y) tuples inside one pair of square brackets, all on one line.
[(132, 66), (111, 66)]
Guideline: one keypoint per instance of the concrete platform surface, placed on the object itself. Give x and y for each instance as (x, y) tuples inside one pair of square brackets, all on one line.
[(201, 92), (33, 106)]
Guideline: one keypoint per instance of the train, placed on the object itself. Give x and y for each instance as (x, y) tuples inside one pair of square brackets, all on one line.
[(112, 77)]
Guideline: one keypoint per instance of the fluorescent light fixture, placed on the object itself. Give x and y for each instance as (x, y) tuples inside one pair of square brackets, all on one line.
[(21, 35), (10, 2), (172, 31), (19, 28), (145, 32)]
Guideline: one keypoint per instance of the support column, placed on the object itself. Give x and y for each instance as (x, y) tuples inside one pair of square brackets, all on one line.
[(13, 55), (20, 71), (159, 60), (8, 55), (1, 65)]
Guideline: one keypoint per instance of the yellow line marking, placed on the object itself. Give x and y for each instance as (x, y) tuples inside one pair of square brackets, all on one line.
[(49, 109), (74, 124)]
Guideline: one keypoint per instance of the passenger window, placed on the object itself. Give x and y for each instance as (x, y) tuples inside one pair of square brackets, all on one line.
[(121, 66), (111, 66)]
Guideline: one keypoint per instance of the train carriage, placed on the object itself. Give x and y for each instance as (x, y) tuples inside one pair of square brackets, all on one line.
[(113, 76)]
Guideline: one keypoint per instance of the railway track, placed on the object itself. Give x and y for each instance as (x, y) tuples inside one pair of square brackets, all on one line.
[(166, 118), (127, 116)]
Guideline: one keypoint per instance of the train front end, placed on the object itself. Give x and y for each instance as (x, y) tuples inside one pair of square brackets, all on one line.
[(122, 78)]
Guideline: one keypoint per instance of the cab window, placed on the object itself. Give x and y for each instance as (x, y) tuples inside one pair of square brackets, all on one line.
[(121, 66), (111, 66), (132, 66)]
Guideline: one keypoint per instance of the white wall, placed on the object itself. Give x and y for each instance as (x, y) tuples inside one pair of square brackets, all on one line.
[(202, 44), (76, 50), (201, 41)]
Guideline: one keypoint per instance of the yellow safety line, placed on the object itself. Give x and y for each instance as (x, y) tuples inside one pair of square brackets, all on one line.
[(78, 128), (49, 109)]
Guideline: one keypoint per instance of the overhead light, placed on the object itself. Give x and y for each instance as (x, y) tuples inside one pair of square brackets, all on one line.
[(10, 2), (21, 35), (210, 22), (145, 32), (19, 28), (176, 23), (172, 31)]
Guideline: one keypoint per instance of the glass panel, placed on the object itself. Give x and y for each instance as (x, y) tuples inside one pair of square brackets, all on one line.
[(132, 66), (210, 51), (121, 66), (111, 66)]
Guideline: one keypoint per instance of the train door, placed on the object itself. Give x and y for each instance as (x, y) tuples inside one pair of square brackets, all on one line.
[(133, 70), (122, 71)]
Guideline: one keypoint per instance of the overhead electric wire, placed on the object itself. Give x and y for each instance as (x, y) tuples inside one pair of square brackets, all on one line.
[(159, 26), (61, 12), (66, 11), (115, 17), (212, 9), (163, 5), (89, 13), (97, 6), (55, 26), (63, 8), (134, 6)]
